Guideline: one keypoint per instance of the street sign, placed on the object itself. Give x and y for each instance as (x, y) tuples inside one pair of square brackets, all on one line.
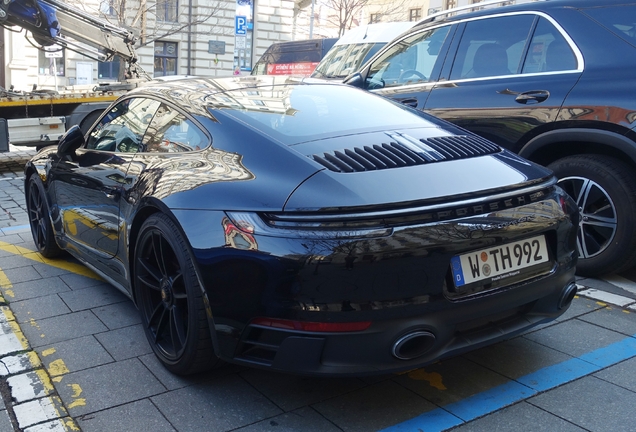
[(240, 27), (216, 47), (240, 42), (53, 51)]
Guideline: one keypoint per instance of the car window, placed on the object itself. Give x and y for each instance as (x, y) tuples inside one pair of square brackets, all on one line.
[(123, 127), (409, 61), (343, 60), (170, 131), (620, 19), (549, 51), (492, 47)]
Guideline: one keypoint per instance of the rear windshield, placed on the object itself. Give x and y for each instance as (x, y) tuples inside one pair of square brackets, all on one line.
[(304, 112), (343, 60), (621, 20)]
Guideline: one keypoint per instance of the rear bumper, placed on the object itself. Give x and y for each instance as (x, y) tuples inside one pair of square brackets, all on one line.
[(493, 318)]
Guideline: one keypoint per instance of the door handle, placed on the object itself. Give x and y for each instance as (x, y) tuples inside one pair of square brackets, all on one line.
[(532, 97), (412, 102)]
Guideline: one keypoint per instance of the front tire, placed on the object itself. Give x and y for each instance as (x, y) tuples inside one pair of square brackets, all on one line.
[(39, 219), (604, 189), (170, 300)]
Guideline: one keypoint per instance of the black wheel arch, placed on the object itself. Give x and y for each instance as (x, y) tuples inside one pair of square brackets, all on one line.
[(558, 143)]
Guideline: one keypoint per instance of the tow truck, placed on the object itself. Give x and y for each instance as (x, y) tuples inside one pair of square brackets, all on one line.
[(40, 117)]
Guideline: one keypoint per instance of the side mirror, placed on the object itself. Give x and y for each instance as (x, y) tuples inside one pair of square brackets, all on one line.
[(70, 141), (355, 80)]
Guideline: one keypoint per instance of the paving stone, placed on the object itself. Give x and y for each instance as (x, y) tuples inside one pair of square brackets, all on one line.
[(614, 318), (11, 260), (5, 420), (95, 296), (30, 385), (107, 386), (118, 315), (19, 363), (66, 424), (39, 308), (126, 342), (592, 404), (22, 274), (142, 414), (290, 392), (38, 411), (303, 419), (579, 306), (60, 328), (75, 281), (516, 357), (519, 417), (450, 380), (73, 355), (48, 271), (575, 337), (377, 407), (218, 405), (621, 374), (11, 341), (37, 288), (173, 382)]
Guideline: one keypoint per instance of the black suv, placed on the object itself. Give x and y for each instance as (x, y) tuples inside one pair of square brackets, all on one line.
[(554, 81)]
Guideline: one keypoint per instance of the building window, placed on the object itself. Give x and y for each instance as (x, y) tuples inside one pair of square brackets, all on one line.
[(107, 7), (165, 58), (449, 4), (109, 70), (167, 10), (374, 18), (51, 62), (415, 14)]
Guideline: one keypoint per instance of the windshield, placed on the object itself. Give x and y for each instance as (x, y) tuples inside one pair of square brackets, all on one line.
[(343, 60)]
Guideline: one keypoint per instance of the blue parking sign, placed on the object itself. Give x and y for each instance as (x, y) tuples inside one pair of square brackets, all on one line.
[(240, 26)]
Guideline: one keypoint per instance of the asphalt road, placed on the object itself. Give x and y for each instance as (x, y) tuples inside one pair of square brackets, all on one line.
[(73, 356)]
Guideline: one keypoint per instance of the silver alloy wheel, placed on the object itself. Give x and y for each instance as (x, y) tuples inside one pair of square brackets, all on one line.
[(598, 223)]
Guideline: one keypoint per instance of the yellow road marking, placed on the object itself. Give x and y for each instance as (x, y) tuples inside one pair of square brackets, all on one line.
[(58, 367), (35, 256), (433, 378), (48, 352)]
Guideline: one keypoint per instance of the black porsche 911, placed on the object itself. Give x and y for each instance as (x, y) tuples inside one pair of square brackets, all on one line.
[(304, 227)]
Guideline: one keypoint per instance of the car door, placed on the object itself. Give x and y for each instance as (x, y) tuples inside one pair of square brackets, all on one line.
[(508, 75), (91, 186), (409, 68)]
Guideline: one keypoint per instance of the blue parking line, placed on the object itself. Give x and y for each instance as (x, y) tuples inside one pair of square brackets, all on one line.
[(489, 401)]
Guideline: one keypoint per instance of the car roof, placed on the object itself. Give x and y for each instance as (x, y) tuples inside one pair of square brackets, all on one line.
[(500, 6), (204, 91)]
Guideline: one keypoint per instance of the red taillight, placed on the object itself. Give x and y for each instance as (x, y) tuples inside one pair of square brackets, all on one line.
[(312, 326)]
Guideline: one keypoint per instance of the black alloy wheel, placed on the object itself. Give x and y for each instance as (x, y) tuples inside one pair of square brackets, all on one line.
[(169, 298), (39, 219), (604, 190)]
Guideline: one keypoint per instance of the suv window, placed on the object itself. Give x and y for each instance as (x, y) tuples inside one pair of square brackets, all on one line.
[(492, 47), (123, 127), (409, 61), (549, 51)]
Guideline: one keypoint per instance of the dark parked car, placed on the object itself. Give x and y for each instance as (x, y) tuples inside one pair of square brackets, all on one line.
[(312, 228), (552, 81)]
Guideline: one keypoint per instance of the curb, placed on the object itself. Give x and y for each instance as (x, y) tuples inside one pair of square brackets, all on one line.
[(32, 402)]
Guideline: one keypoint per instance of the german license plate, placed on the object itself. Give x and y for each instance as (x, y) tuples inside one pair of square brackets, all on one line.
[(499, 262)]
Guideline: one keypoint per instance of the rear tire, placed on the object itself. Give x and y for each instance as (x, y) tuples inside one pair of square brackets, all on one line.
[(604, 189), (39, 219), (170, 300)]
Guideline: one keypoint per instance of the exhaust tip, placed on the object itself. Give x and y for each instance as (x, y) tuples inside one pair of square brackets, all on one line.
[(567, 295), (413, 345)]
